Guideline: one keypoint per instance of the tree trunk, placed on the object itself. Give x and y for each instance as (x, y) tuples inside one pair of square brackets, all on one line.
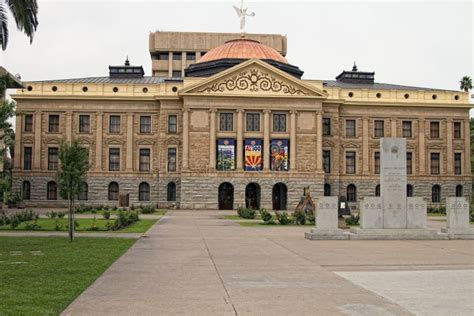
[(71, 222)]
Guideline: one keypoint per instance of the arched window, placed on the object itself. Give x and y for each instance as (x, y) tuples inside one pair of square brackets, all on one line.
[(436, 194), (351, 193), (327, 189), (377, 190), (459, 191), (409, 190), (52, 191), (113, 191), (144, 192), (26, 190), (171, 192), (84, 195)]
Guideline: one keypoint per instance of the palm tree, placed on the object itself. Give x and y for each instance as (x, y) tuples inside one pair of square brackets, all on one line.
[(25, 14), (466, 83)]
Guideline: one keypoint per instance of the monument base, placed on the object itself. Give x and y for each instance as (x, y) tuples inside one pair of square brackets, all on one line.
[(459, 233), (326, 234), (396, 234)]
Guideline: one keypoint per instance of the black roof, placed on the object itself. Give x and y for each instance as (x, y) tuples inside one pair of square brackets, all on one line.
[(376, 86), (142, 80)]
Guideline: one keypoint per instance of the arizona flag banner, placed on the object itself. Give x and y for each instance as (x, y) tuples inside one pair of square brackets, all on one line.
[(253, 155)]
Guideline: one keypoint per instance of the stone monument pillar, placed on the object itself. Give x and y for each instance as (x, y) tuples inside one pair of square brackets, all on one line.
[(457, 217), (326, 220)]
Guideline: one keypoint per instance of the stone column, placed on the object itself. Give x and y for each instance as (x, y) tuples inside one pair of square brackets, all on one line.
[(467, 148), (319, 142), (240, 139), (266, 140), (212, 144), (18, 149), (170, 64), (68, 127), (37, 150), (394, 127), (365, 146), (449, 147), (421, 145), (185, 139), (129, 160), (292, 140), (98, 141)]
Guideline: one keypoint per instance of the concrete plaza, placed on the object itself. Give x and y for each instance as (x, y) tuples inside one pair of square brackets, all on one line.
[(196, 263)]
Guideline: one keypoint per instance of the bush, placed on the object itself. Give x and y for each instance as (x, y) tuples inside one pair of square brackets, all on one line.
[(311, 219), (299, 217), (61, 214), (26, 215), (94, 225), (266, 217), (114, 208), (283, 218), (132, 208), (14, 221), (352, 220), (52, 214), (246, 213), (147, 209), (123, 220), (76, 224), (33, 226), (106, 214), (57, 225)]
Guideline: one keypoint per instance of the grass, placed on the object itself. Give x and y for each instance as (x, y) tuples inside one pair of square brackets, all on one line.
[(46, 284), (435, 214), (115, 212), (85, 224)]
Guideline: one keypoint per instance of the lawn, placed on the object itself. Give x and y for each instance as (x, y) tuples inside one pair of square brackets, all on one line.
[(115, 212), (42, 276)]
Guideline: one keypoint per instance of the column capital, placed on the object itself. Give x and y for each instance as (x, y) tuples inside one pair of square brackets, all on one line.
[(99, 113), (240, 110), (293, 112), (267, 111), (212, 111), (186, 110)]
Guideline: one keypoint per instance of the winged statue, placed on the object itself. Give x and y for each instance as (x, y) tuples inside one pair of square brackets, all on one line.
[(242, 13)]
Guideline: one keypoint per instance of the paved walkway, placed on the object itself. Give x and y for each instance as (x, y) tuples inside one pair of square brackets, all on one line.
[(194, 263)]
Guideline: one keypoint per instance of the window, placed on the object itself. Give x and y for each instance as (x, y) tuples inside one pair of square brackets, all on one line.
[(226, 121), (279, 122), (190, 56), (409, 163), (457, 130), (434, 163), (176, 74), (326, 126), (350, 162), (434, 129), (144, 159), (171, 192), (51, 191), (350, 128), (171, 159), (114, 159), (114, 124), (406, 129), (327, 189), (172, 124), (144, 192), (53, 123), (351, 195), (436, 194), (52, 158), (327, 161), (457, 163), (377, 190), (145, 124), (162, 56), (28, 123), (378, 128), (84, 195), (27, 158), (459, 191), (409, 190), (26, 190), (253, 122), (84, 123), (177, 56), (113, 191), (376, 162)]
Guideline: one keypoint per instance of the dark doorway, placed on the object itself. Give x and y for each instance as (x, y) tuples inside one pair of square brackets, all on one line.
[(252, 196), (226, 196), (279, 196)]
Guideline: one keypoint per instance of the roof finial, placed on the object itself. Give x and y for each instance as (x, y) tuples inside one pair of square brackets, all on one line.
[(242, 13), (127, 62), (354, 68)]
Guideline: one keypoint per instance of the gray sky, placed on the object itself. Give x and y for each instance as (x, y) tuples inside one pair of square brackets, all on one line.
[(428, 44)]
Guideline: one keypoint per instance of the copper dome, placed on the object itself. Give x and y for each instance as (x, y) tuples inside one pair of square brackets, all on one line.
[(243, 49)]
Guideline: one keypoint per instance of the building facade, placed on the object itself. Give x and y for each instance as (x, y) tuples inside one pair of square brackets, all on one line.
[(240, 128)]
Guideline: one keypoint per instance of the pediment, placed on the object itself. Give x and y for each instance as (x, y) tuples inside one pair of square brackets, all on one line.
[(28, 140), (114, 141), (52, 140), (85, 141), (350, 145), (172, 141), (328, 143), (145, 142), (254, 78)]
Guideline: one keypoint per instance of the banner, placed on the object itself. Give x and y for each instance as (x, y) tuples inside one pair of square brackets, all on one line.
[(226, 154), (253, 155), (279, 154)]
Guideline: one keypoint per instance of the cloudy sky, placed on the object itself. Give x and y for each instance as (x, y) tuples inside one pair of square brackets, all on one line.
[(428, 44)]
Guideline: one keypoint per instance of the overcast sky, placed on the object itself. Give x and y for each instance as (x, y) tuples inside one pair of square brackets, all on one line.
[(427, 44)]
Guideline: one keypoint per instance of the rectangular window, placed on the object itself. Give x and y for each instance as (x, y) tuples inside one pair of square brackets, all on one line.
[(114, 159), (171, 159), (84, 123), (279, 122), (457, 130), (226, 121), (378, 128), (406, 129), (376, 162), (435, 165), (176, 74), (457, 163), (145, 124), (27, 158), (53, 158), (162, 56), (327, 161), (350, 162), (190, 56), (177, 56), (434, 129), (409, 163), (144, 159), (350, 128), (326, 126), (114, 124), (253, 122), (28, 123), (53, 123), (172, 124)]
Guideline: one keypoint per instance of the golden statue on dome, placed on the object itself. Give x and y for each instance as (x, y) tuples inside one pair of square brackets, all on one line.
[(242, 13)]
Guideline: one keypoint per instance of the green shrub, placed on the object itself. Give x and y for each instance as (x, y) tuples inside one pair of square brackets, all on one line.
[(283, 218), (61, 214), (57, 225), (311, 219), (76, 224), (246, 213), (33, 226), (132, 208), (106, 214), (52, 214), (14, 221), (123, 220), (299, 217), (266, 217), (105, 208), (352, 220), (114, 208), (94, 225), (148, 209)]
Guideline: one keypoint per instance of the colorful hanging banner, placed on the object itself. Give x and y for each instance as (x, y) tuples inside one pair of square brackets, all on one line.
[(226, 154), (279, 154), (253, 155)]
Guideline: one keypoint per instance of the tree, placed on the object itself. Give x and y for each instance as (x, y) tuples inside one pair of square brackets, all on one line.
[(25, 14), (73, 165), (466, 83)]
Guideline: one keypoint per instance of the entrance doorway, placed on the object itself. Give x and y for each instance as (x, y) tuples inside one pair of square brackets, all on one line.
[(252, 196), (279, 196), (226, 196)]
